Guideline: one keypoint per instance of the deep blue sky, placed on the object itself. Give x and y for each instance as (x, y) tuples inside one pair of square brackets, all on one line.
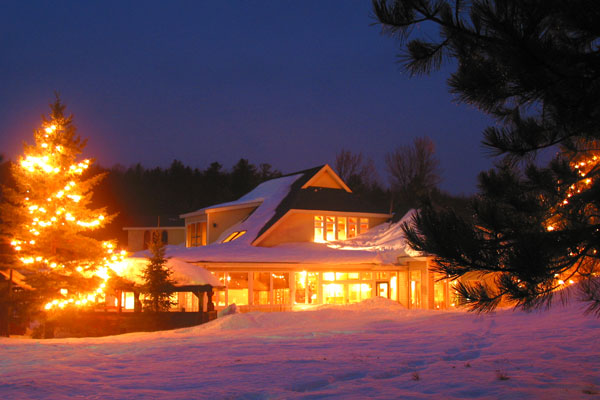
[(289, 83)]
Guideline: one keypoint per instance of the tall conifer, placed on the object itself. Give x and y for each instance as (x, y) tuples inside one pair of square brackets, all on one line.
[(46, 216), (534, 66)]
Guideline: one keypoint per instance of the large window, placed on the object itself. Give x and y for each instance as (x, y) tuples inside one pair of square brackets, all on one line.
[(196, 234), (330, 228), (306, 287), (237, 288), (261, 287), (352, 227), (346, 287), (319, 229), (415, 289), (281, 288)]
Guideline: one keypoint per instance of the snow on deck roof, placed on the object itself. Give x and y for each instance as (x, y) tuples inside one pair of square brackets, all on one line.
[(303, 253), (183, 272)]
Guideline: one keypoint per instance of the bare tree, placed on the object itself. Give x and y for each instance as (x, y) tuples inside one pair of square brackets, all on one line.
[(358, 173), (413, 171)]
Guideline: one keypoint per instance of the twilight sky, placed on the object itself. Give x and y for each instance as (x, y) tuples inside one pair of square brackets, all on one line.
[(288, 83)]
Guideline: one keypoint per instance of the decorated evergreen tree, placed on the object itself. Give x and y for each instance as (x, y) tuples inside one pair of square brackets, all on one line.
[(46, 217), (534, 66), (158, 284)]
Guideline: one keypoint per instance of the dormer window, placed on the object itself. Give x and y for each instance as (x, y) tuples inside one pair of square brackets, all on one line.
[(234, 236)]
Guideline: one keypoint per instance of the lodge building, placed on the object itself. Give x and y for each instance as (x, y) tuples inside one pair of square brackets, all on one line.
[(305, 239)]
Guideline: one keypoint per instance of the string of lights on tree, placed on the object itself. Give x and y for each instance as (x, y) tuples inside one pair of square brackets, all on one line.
[(586, 165), (54, 213)]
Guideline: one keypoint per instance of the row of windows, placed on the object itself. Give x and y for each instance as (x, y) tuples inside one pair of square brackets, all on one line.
[(302, 287), (326, 229), (338, 228), (196, 234)]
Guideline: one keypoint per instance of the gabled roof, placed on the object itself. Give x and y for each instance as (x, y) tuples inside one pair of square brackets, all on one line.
[(275, 197), (302, 196), (327, 178)]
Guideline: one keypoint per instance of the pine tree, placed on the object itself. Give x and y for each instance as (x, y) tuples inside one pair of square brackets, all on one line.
[(534, 66), (46, 217), (158, 284)]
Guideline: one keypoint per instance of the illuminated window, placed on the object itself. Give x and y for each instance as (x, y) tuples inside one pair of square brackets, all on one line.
[(330, 228), (341, 276), (196, 234), (365, 290), (352, 227), (234, 236), (415, 289), (237, 288), (341, 228), (394, 286), (281, 288), (319, 229), (333, 293), (354, 293), (261, 288), (364, 225)]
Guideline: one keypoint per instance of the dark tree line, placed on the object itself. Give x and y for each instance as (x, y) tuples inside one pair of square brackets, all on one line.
[(137, 192)]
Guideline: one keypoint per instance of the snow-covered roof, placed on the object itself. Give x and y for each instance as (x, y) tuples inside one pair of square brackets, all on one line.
[(388, 236), (274, 189), (272, 200), (182, 272), (381, 245)]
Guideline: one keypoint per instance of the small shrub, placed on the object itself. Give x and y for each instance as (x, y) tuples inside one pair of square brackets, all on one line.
[(501, 375), (590, 390)]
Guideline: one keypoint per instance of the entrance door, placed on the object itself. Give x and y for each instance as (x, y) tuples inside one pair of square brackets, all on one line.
[(383, 289)]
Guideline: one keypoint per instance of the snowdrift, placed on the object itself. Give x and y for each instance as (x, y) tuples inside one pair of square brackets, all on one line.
[(374, 349)]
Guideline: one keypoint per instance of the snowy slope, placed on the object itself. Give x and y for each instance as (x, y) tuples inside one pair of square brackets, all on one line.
[(375, 349)]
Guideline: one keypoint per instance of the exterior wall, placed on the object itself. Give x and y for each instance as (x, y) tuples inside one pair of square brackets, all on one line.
[(294, 227), (325, 180), (135, 240), (298, 226), (177, 236), (219, 221)]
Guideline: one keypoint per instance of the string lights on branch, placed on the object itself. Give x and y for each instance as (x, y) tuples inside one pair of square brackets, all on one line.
[(51, 216)]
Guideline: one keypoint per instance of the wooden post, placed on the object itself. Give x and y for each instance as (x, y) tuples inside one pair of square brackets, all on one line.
[(9, 302), (137, 304), (210, 306), (119, 300)]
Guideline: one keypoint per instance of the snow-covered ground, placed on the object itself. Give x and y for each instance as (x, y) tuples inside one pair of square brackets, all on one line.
[(375, 349)]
